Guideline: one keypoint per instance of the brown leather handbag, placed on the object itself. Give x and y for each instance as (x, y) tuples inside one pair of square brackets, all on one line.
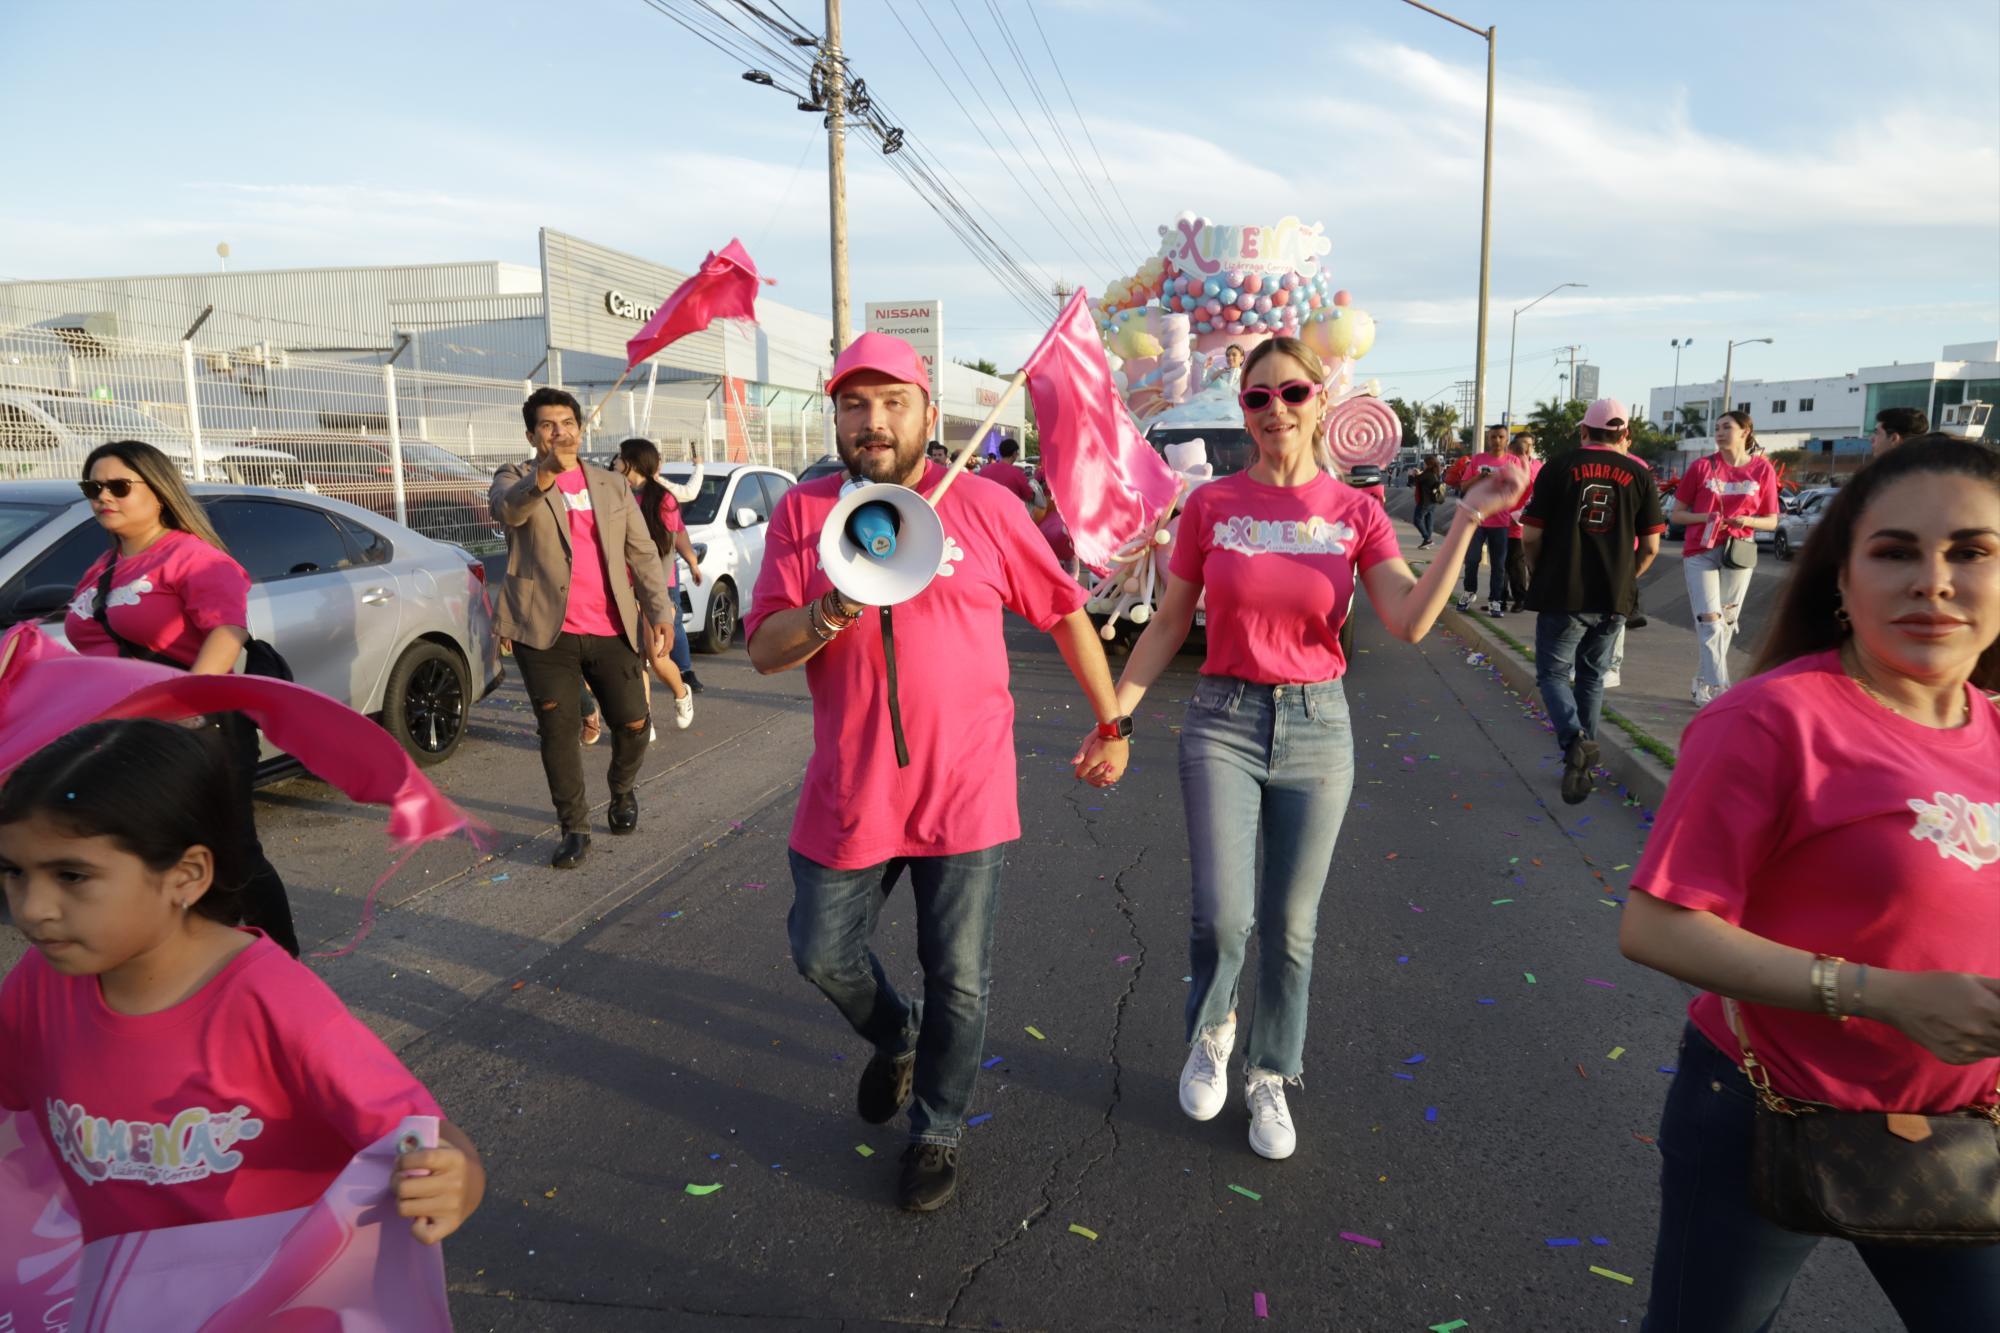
[(1867, 1176)]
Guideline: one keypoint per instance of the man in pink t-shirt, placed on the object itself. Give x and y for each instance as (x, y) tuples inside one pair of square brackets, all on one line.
[(913, 775), (1491, 538), (580, 562), (1007, 472)]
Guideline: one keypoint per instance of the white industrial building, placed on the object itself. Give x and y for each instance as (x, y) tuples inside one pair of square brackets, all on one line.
[(565, 323), (1831, 410)]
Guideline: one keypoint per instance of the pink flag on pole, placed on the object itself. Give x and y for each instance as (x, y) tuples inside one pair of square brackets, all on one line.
[(725, 287), (345, 1262), (1107, 481)]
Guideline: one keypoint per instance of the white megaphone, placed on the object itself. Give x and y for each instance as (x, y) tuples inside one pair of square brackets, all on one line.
[(882, 544)]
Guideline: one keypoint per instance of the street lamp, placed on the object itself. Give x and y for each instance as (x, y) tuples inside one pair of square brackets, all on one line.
[(1485, 211), (1729, 368), (1511, 337), (1679, 345)]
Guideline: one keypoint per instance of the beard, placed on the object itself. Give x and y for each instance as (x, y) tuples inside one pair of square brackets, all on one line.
[(901, 460)]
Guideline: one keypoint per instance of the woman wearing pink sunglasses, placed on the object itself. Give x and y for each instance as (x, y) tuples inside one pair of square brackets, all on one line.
[(1267, 745)]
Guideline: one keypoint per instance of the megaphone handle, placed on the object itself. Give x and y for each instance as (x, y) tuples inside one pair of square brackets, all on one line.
[(889, 674), (971, 445)]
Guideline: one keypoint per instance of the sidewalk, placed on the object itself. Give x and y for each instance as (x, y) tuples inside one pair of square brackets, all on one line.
[(1643, 717)]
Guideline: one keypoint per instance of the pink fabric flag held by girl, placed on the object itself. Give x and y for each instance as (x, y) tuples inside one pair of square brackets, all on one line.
[(1107, 481), (46, 691), (344, 1264)]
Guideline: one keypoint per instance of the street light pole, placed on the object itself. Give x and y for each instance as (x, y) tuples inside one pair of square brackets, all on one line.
[(836, 173), (1729, 369), (1516, 333), (1485, 212), (1679, 345)]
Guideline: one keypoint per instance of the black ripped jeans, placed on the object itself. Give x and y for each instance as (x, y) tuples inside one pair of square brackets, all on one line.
[(555, 678)]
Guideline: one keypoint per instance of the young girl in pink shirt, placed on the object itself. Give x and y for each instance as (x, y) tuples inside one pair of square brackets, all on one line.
[(182, 1070), (1278, 549)]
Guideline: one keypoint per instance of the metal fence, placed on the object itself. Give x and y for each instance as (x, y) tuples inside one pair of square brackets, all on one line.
[(418, 447)]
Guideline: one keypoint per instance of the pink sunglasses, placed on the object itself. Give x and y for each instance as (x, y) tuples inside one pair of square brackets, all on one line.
[(1294, 392)]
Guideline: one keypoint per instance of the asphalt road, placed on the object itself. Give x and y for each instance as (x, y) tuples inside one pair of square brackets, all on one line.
[(614, 1035)]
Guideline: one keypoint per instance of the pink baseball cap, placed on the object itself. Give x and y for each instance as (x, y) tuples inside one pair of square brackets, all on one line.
[(884, 353), (1606, 414)]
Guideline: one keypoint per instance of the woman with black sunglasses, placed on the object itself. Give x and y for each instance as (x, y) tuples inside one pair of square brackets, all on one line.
[(168, 592), (1278, 549)]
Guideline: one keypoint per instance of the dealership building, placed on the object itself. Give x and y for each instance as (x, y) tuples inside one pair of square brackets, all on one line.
[(753, 391)]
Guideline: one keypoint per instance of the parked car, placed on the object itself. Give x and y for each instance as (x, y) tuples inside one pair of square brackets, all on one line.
[(444, 496), (726, 523), (394, 624), (1794, 527), (824, 466), (48, 435)]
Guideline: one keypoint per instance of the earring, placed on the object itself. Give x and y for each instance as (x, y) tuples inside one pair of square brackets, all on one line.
[(1840, 615)]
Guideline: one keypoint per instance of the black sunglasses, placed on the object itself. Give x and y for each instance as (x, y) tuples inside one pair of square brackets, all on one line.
[(120, 487)]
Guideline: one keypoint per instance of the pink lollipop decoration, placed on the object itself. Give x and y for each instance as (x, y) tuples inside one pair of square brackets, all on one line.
[(1363, 430)]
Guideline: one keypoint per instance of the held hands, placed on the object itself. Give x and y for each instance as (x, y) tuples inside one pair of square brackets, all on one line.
[(1953, 1015), (432, 1188), (1100, 762)]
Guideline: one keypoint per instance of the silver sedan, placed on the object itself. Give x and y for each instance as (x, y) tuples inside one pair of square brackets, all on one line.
[(391, 623)]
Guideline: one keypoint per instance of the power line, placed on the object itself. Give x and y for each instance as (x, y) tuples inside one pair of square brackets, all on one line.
[(1088, 137)]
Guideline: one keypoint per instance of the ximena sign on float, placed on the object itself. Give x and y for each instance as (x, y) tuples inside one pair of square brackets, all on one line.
[(1194, 244)]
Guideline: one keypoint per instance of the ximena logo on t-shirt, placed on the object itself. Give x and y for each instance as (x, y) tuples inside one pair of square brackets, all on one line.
[(1257, 536), (1961, 829), (196, 1144)]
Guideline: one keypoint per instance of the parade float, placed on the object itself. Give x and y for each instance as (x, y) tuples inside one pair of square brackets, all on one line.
[(1168, 329)]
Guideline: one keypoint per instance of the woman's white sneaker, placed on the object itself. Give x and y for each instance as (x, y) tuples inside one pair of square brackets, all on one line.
[(1271, 1132), (684, 711), (1205, 1076)]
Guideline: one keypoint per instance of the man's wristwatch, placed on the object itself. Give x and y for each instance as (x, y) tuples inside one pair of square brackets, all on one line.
[(1117, 729)]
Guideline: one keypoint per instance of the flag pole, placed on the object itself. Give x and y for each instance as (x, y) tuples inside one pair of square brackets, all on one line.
[(965, 454), (598, 407)]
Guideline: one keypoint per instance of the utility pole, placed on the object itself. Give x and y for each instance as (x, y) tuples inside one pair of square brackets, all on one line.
[(836, 171), (1572, 349)]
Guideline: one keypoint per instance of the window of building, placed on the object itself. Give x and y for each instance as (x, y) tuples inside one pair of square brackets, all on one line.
[(1743, 407), (1777, 405), (1805, 404)]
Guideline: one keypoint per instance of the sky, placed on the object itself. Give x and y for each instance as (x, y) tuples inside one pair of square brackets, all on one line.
[(1825, 173)]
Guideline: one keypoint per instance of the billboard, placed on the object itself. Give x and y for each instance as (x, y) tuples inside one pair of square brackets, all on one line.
[(1586, 383), (921, 325)]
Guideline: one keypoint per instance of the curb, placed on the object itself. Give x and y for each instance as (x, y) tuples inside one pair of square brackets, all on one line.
[(1643, 776)]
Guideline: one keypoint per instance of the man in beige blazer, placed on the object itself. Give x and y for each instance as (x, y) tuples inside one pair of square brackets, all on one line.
[(577, 553)]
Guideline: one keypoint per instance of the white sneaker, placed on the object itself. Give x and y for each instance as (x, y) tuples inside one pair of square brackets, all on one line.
[(1205, 1077), (684, 711), (1271, 1132), (1465, 602)]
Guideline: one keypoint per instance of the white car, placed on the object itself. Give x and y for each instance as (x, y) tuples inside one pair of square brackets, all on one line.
[(726, 523), (1796, 524)]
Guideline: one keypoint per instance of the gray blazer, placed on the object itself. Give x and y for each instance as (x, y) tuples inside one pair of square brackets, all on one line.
[(535, 595)]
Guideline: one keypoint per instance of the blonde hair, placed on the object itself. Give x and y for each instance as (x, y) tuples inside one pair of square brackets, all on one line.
[(177, 507), (1283, 345)]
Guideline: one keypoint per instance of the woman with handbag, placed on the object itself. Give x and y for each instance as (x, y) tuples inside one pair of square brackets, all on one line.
[(1724, 497), (168, 592), (1827, 871)]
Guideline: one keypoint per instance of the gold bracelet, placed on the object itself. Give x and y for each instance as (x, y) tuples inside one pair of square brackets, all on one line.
[(1826, 980)]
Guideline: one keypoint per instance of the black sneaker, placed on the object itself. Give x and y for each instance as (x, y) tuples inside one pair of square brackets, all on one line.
[(929, 1179), (1578, 760), (692, 681), (885, 1086)]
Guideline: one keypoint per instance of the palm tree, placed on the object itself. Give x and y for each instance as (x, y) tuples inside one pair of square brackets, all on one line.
[(1692, 420), (1439, 423)]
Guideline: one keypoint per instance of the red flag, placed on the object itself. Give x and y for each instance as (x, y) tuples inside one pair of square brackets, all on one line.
[(1107, 481), (725, 287)]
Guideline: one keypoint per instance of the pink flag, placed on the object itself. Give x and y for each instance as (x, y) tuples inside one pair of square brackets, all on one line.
[(725, 287), (345, 1262), (1107, 481)]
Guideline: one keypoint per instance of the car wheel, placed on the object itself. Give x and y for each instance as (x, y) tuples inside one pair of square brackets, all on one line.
[(1781, 545), (425, 703), (718, 629)]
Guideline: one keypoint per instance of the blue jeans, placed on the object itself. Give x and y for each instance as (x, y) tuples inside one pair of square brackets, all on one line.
[(1583, 639), (1425, 528), (1492, 541), (682, 658), (1719, 1267), (832, 918), (1279, 759)]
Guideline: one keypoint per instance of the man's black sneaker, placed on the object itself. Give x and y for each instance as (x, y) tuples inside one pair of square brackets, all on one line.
[(1578, 760), (1637, 620), (929, 1178), (692, 681), (885, 1086)]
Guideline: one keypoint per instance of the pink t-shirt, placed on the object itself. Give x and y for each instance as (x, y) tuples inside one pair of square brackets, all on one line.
[(166, 599), (1010, 476), (670, 519), (590, 610), (858, 808), (1478, 466), (1805, 812), (1279, 565), (1711, 486), (247, 1098)]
